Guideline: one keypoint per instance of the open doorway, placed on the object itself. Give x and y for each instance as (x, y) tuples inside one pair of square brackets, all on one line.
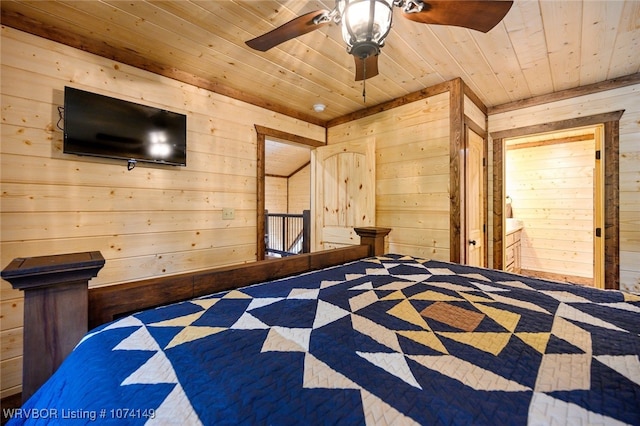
[(553, 204), (609, 154), (277, 153), (287, 198)]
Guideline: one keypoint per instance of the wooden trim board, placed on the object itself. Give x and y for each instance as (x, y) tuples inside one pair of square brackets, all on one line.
[(602, 86), (114, 301), (612, 186)]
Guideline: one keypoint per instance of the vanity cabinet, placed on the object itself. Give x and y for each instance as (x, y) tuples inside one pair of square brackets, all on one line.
[(512, 251)]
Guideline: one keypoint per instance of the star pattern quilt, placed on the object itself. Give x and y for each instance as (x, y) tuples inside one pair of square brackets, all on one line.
[(385, 340)]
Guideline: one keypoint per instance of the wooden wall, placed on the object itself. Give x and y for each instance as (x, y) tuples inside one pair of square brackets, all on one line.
[(624, 98), (412, 173), (299, 190), (288, 195), (151, 221), (155, 221), (551, 187), (276, 194)]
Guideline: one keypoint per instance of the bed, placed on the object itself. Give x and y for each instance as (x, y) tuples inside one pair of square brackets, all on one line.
[(387, 339)]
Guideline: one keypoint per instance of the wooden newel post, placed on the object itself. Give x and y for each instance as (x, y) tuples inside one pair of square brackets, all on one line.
[(374, 237), (55, 309)]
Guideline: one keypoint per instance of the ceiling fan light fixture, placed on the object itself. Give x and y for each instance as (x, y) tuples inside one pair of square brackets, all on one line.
[(365, 25)]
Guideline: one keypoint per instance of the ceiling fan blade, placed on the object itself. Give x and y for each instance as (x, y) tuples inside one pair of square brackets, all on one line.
[(292, 29), (366, 68), (479, 15)]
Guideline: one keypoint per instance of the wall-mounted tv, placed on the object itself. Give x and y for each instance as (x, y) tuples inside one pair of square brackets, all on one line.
[(102, 126)]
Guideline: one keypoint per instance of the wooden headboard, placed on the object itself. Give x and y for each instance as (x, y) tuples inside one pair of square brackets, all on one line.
[(59, 308), (112, 302)]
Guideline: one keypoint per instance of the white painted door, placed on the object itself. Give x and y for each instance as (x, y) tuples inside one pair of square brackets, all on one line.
[(475, 217), (342, 193)]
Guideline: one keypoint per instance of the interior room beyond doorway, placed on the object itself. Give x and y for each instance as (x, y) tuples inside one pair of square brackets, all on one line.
[(287, 198), (553, 204)]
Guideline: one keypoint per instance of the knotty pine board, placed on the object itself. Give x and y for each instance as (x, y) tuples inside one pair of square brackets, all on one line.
[(298, 191), (474, 113), (150, 221), (412, 172), (625, 98), (275, 194)]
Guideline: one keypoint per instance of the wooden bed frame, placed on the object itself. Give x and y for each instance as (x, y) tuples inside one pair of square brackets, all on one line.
[(115, 301), (59, 307)]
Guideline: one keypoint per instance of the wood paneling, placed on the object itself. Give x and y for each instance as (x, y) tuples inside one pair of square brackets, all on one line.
[(475, 114), (551, 187), (11, 376), (289, 195), (419, 172), (275, 194), (11, 342), (58, 203), (152, 221), (538, 48), (11, 364), (284, 159), (601, 104), (412, 172), (299, 191)]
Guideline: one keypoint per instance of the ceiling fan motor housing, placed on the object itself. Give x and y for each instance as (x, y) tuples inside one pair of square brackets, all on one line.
[(364, 49)]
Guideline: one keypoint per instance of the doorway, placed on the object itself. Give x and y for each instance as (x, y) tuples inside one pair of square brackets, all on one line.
[(287, 198), (553, 187), (265, 134), (609, 155)]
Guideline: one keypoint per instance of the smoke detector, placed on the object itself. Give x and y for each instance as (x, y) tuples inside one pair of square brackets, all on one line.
[(319, 107)]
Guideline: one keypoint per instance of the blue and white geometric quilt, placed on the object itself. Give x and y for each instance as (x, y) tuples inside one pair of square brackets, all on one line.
[(385, 340)]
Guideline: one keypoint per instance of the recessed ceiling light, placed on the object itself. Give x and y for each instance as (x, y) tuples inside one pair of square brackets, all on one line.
[(319, 107)]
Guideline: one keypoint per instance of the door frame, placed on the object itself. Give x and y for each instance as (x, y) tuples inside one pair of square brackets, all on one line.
[(611, 123), (262, 134)]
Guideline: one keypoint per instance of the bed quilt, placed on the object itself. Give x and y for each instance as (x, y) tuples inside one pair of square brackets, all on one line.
[(386, 340)]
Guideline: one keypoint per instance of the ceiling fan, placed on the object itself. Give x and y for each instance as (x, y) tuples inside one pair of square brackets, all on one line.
[(366, 23)]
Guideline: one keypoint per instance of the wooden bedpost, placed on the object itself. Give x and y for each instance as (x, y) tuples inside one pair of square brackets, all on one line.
[(374, 238), (55, 309)]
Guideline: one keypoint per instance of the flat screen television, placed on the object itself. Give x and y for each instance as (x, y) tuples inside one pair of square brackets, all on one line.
[(102, 126)]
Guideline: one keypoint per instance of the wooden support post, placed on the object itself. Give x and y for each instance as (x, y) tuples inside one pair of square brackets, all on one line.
[(55, 309), (306, 231), (374, 237)]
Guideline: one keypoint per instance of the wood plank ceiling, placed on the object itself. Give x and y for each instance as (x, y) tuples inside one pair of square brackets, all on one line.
[(284, 160), (540, 47)]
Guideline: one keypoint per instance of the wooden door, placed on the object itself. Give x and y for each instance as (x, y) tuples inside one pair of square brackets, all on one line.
[(342, 193), (474, 200)]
